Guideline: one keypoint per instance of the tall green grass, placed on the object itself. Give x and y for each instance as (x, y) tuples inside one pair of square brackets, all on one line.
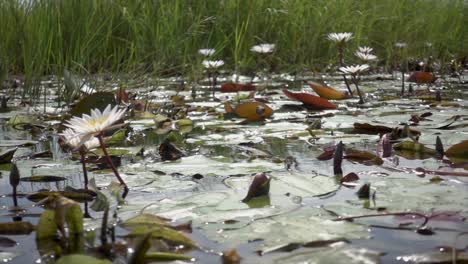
[(163, 36)]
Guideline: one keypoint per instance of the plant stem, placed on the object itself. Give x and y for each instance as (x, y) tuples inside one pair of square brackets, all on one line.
[(402, 82), (83, 165), (111, 164), (341, 63), (355, 81)]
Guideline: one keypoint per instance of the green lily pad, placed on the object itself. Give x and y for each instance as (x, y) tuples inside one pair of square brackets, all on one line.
[(76, 196)]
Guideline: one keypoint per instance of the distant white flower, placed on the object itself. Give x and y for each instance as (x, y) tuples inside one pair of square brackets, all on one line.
[(73, 139), (355, 69), (365, 56), (212, 64), (206, 52), (428, 44), (263, 48), (400, 45), (365, 49), (340, 37), (92, 125)]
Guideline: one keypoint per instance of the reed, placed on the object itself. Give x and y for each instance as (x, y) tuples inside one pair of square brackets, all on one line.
[(162, 36)]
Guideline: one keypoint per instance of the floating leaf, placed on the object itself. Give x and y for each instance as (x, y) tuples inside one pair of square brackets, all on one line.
[(76, 196), (236, 87), (7, 242), (259, 186), (7, 155), (16, 228), (253, 111), (165, 256), (459, 150), (162, 232), (327, 92), (81, 259), (145, 220), (422, 77), (42, 178), (98, 100), (311, 101)]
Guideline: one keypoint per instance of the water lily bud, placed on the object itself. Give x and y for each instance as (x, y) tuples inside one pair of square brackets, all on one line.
[(259, 186), (14, 175)]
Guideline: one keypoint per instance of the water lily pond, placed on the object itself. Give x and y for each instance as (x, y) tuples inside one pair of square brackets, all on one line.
[(189, 161)]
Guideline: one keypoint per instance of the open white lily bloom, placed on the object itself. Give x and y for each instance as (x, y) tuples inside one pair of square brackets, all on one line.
[(365, 56), (74, 140), (340, 37), (212, 64), (263, 48), (354, 69), (92, 125), (206, 52), (365, 49), (400, 45)]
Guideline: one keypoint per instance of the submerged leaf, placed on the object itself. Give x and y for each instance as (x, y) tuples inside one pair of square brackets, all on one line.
[(327, 92), (168, 151), (363, 157), (414, 147), (311, 101), (231, 256)]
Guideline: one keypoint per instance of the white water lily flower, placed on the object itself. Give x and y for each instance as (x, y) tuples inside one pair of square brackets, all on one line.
[(400, 45), (212, 64), (354, 69), (263, 48), (340, 37), (206, 52), (365, 49), (73, 139), (365, 56), (92, 125)]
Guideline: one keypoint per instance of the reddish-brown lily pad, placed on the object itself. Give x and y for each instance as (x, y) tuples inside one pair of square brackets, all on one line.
[(309, 100)]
